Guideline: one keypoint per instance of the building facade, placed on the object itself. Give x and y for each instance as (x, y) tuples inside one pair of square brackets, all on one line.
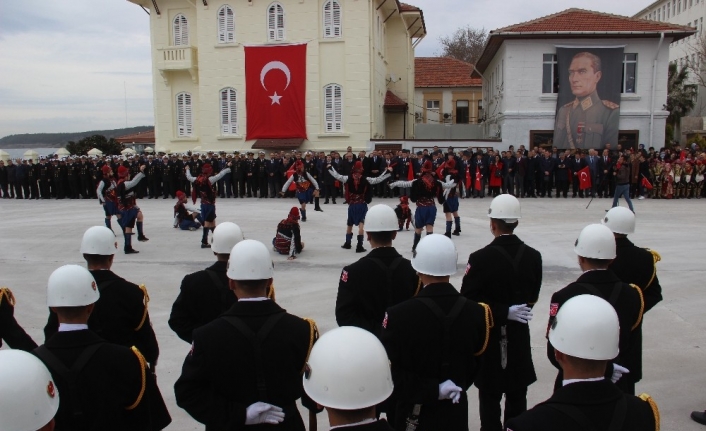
[(358, 52), (520, 74)]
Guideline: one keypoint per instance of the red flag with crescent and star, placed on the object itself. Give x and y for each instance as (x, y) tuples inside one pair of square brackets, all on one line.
[(584, 178), (275, 91)]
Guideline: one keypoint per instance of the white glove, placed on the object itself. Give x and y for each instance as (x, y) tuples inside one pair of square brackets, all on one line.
[(263, 413), (520, 313), (618, 372), (449, 391)]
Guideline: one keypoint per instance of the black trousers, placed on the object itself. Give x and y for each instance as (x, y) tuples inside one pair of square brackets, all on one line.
[(489, 405), (562, 186)]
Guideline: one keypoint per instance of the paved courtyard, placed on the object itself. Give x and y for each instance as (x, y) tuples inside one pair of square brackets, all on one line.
[(36, 237)]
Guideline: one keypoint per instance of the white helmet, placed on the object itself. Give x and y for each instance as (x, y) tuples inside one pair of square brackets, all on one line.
[(99, 240), (586, 327), (381, 218), (29, 395), (620, 220), (505, 207), (250, 260), (435, 255), (348, 369), (596, 242), (71, 286), (225, 236)]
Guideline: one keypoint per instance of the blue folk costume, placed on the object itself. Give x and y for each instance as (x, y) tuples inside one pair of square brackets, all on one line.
[(303, 182)]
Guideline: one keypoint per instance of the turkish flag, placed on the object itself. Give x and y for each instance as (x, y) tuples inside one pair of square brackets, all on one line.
[(477, 184), (584, 178), (275, 91), (646, 183)]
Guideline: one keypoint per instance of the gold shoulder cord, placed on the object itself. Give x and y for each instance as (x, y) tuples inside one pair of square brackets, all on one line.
[(143, 288), (143, 368), (313, 336), (642, 306), (419, 287), (5, 292), (271, 293), (653, 405), (489, 324), (656, 258)]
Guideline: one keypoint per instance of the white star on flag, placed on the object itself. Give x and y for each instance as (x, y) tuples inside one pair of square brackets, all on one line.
[(275, 98)]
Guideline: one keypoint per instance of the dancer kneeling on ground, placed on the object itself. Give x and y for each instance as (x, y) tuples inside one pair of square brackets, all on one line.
[(183, 218), (289, 239)]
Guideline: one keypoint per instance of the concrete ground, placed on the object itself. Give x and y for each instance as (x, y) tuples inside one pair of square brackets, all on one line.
[(36, 237)]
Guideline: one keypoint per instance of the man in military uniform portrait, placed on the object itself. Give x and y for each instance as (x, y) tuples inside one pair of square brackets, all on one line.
[(587, 121)]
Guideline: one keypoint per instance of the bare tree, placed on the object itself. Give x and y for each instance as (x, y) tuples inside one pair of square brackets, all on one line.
[(697, 66), (465, 44)]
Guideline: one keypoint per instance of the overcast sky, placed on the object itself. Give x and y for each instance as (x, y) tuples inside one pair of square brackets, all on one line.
[(66, 65)]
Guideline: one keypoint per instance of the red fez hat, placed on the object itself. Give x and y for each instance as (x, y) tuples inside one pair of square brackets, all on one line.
[(123, 171)]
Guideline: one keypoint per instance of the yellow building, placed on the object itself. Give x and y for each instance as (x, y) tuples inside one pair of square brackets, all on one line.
[(359, 54)]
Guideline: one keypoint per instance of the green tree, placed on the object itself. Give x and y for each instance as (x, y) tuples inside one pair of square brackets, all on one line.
[(681, 95), (107, 146), (465, 44)]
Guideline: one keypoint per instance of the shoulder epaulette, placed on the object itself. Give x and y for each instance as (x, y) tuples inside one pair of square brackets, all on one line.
[(271, 292), (610, 105), (655, 258), (313, 336), (5, 292), (489, 323), (653, 405), (143, 370), (642, 306), (569, 105), (143, 288)]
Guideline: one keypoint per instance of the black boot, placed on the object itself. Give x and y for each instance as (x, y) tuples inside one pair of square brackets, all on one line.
[(317, 207), (347, 244), (359, 248)]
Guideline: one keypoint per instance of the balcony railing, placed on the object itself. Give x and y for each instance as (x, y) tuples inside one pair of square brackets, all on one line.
[(176, 58)]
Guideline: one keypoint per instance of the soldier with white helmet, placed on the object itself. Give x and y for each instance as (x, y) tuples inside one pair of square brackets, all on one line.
[(104, 386), (585, 337), (348, 373), (245, 367), (29, 395), (595, 248), (120, 315), (434, 341)]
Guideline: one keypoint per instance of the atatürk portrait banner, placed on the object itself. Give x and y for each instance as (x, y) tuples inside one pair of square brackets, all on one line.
[(588, 104)]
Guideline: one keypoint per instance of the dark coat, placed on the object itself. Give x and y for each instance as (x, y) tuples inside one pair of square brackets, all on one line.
[(629, 309), (218, 380), (491, 279), (635, 265), (596, 400), (109, 383), (117, 315), (414, 339), (561, 169), (10, 330), (379, 425), (200, 300), (364, 292)]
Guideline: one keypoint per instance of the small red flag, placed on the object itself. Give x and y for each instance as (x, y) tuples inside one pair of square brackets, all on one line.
[(584, 178), (410, 171), (468, 177), (478, 180), (292, 187), (646, 183)]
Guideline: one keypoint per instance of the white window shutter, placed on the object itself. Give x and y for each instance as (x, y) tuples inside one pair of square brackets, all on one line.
[(229, 112), (184, 115), (333, 108), (336, 18), (328, 19), (230, 25), (222, 25), (338, 108), (181, 30)]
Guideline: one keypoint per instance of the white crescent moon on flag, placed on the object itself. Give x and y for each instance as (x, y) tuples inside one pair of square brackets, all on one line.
[(584, 174), (274, 65)]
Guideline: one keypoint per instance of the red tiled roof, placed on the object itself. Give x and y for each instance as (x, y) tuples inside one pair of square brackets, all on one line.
[(443, 72), (138, 138), (393, 101), (575, 20), (404, 7)]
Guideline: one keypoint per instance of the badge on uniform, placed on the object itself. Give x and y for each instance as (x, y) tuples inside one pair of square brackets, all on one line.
[(468, 268), (553, 308), (384, 321), (51, 391), (344, 276)]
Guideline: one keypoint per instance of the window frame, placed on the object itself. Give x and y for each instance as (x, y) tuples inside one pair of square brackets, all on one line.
[(333, 108), (184, 115), (229, 111), (458, 117), (331, 29), (275, 29), (625, 76), (180, 27), (225, 35), (554, 77)]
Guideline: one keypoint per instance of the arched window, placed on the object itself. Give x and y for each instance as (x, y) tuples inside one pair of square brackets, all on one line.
[(333, 108), (185, 124), (181, 30), (226, 25), (229, 112), (332, 19), (275, 22)]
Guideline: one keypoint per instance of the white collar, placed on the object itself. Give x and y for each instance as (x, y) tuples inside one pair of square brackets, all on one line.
[(68, 327), (260, 298), (592, 379), (363, 422)]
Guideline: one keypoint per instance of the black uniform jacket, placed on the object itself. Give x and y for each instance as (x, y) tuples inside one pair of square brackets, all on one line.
[(120, 316), (364, 292), (218, 380), (635, 265), (628, 306), (596, 401), (491, 279), (10, 330), (201, 300), (379, 425), (116, 390), (413, 336)]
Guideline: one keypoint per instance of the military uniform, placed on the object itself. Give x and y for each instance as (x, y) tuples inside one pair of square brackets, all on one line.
[(433, 337), (10, 330), (587, 123), (120, 316), (223, 375), (204, 295), (369, 286), (114, 390), (504, 273), (593, 403), (628, 303)]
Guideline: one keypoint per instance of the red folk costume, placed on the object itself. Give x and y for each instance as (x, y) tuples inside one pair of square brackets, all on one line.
[(288, 239), (404, 212)]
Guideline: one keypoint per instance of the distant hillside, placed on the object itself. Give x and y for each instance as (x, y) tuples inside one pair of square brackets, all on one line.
[(56, 140)]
